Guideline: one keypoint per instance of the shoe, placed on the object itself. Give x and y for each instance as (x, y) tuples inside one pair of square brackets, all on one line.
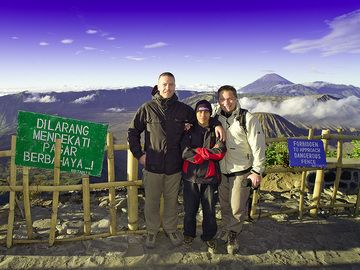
[(175, 239), (188, 240), (223, 236), (212, 245), (150, 240), (232, 244)]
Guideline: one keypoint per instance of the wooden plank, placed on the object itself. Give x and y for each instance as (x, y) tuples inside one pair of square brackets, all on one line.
[(132, 191), (86, 205), (55, 201), (11, 217), (111, 178), (65, 188), (319, 179), (26, 197), (339, 153), (303, 180)]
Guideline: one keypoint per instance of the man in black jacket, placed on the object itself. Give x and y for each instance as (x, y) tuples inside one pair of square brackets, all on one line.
[(163, 119)]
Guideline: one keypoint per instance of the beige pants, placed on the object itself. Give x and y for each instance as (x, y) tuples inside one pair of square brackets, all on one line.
[(155, 185), (233, 197)]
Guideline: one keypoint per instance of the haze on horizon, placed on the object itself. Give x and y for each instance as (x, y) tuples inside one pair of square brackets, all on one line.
[(62, 45)]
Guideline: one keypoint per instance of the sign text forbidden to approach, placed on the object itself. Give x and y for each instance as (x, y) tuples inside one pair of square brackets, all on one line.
[(82, 143), (306, 153)]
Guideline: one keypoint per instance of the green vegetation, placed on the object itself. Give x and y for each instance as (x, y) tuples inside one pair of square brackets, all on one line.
[(356, 149), (277, 154)]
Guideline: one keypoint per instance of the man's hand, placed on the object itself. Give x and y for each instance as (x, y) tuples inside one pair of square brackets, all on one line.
[(220, 133), (255, 179), (187, 126), (142, 159)]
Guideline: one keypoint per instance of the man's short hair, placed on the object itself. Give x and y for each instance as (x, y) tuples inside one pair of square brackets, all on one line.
[(227, 88), (168, 74)]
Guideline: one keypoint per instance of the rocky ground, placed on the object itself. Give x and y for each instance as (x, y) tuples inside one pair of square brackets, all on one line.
[(279, 242)]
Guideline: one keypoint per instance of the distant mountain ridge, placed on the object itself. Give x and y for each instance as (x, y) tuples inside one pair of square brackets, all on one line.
[(117, 106), (274, 84)]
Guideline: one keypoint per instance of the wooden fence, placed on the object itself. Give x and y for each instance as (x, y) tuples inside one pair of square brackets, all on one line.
[(133, 183)]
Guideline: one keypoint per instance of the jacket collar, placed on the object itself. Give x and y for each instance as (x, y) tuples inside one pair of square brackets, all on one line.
[(164, 102)]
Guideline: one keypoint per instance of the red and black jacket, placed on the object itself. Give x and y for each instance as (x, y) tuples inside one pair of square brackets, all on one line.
[(201, 152)]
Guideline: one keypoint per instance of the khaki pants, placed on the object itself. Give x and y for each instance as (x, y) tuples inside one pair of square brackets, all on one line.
[(156, 184), (233, 197)]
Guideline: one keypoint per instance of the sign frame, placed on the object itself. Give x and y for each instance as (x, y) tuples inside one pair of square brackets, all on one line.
[(82, 143)]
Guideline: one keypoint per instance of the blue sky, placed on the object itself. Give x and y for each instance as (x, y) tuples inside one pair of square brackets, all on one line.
[(66, 45)]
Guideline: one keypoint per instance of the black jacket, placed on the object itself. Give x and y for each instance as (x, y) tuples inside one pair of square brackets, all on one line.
[(163, 121), (201, 152)]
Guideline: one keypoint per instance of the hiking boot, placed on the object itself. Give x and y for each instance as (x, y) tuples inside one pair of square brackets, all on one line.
[(223, 236), (188, 240), (175, 239), (211, 244), (150, 240), (232, 244)]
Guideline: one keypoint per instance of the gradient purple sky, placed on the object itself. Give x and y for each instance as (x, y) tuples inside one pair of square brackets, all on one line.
[(66, 45)]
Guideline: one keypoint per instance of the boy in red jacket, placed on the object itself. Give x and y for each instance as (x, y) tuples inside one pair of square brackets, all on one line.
[(201, 152)]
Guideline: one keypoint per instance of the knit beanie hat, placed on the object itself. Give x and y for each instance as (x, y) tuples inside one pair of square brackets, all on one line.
[(203, 105)]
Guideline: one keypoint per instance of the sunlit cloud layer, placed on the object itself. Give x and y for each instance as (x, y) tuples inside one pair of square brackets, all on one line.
[(85, 99), (344, 37), (155, 45), (91, 31), (67, 41), (135, 58), (116, 109), (309, 110), (43, 43), (39, 99)]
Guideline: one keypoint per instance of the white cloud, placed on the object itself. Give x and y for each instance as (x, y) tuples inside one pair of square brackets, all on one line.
[(85, 99), (116, 109), (344, 37), (88, 48), (307, 110), (14, 37), (110, 38), (135, 58), (43, 43), (91, 31), (155, 45), (39, 99), (67, 41)]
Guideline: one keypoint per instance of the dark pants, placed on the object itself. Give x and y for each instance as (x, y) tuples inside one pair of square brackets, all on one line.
[(194, 194)]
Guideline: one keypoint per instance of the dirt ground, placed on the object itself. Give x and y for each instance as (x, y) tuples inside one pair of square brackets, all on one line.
[(280, 242)]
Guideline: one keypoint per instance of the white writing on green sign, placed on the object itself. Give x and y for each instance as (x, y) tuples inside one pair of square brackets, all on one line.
[(82, 143)]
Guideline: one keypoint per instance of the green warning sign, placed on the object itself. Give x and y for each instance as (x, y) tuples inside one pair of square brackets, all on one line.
[(82, 143)]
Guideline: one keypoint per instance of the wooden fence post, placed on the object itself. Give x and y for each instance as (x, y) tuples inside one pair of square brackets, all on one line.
[(319, 178), (86, 205), (338, 170), (132, 191), (26, 197), (10, 228), (357, 205), (55, 201), (303, 180), (111, 178)]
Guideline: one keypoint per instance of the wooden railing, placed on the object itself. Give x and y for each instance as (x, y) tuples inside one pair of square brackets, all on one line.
[(132, 184)]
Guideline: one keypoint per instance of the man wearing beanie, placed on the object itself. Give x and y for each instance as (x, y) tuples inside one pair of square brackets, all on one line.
[(201, 152), (163, 120), (244, 159)]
